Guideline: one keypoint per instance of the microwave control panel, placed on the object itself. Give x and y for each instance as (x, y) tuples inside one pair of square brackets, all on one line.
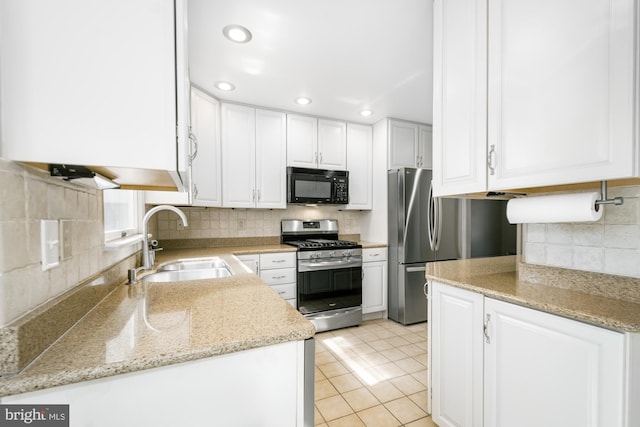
[(342, 190)]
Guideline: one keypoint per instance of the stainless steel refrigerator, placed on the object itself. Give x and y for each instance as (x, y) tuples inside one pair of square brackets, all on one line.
[(423, 229)]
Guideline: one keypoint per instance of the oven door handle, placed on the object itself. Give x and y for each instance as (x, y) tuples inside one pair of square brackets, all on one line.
[(304, 265)]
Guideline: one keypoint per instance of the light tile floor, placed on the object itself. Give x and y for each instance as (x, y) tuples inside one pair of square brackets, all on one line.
[(372, 375)]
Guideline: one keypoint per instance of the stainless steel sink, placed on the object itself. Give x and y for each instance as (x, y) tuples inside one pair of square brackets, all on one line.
[(194, 264), (182, 275), (190, 269)]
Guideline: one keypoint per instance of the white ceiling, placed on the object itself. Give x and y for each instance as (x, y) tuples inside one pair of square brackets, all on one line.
[(345, 55)]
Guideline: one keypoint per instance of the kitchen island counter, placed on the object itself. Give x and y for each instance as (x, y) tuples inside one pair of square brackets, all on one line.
[(149, 325), (600, 299)]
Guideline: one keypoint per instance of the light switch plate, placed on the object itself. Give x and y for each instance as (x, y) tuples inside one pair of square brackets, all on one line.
[(49, 244), (65, 234)]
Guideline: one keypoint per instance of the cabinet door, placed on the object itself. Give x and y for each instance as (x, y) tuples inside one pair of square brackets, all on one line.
[(251, 261), (302, 141), (206, 165), (238, 156), (374, 286), (457, 356), (561, 100), (82, 84), (403, 144), (546, 370), (271, 155), (459, 96), (332, 145), (360, 166), (425, 148)]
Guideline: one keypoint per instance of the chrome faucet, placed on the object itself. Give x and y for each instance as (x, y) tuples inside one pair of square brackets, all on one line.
[(148, 254)]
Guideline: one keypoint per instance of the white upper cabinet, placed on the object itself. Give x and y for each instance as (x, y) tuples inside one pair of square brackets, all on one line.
[(459, 96), (206, 171), (81, 83), (271, 163), (360, 166), (409, 145), (302, 141), (253, 157), (561, 95), (332, 144), (426, 147), (316, 143), (560, 84)]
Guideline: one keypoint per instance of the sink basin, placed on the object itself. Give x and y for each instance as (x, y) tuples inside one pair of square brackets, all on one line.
[(190, 269), (182, 275), (194, 264)]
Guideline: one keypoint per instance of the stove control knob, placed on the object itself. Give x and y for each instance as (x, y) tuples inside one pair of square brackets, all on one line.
[(332, 254)]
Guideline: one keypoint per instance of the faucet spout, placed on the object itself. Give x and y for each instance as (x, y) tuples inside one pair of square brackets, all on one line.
[(146, 256)]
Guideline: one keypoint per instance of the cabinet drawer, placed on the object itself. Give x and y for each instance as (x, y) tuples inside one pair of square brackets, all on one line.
[(374, 254), (278, 276), (277, 260), (287, 291)]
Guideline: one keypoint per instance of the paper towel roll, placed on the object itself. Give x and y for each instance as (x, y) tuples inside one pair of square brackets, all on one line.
[(576, 207)]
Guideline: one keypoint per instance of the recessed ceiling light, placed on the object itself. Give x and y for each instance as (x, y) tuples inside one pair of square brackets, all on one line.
[(226, 86), (303, 100), (366, 113), (237, 33)]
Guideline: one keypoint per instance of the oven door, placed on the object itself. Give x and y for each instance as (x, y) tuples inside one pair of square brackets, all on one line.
[(329, 285)]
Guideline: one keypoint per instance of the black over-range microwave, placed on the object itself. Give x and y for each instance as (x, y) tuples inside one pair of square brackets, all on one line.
[(317, 186)]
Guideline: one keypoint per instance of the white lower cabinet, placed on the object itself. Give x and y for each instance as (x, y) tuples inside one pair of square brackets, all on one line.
[(213, 391), (278, 270), (501, 364), (374, 280)]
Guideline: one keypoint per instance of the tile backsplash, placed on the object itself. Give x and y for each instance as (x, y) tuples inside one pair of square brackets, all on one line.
[(215, 222), (610, 245), (28, 195)]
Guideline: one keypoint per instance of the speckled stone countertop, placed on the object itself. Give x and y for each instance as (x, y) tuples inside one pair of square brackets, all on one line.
[(600, 299), (150, 325)]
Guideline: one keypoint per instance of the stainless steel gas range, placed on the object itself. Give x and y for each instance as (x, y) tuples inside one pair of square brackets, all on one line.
[(329, 273)]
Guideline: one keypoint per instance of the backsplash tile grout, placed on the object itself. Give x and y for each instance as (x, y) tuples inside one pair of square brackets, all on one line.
[(610, 245)]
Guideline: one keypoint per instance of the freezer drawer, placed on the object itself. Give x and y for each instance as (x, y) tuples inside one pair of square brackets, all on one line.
[(407, 302)]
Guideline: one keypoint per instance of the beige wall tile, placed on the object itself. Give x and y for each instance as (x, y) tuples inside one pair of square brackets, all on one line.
[(610, 245), (29, 195)]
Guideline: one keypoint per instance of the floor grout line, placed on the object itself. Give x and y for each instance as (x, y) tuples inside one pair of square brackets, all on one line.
[(377, 352)]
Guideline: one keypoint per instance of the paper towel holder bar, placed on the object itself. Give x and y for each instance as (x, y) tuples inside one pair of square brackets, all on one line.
[(603, 197)]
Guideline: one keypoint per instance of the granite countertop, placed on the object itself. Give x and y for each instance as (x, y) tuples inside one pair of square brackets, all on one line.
[(149, 325), (600, 299)]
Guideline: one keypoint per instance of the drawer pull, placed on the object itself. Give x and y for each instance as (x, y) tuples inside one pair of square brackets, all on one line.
[(279, 277), (279, 260)]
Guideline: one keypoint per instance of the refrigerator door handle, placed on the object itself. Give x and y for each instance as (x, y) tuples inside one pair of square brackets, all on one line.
[(438, 204), (431, 217), (416, 269)]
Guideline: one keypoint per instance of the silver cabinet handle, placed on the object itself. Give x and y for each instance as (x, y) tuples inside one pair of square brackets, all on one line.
[(485, 330), (415, 269), (193, 139), (253, 195), (491, 160), (259, 195), (425, 289), (279, 277), (195, 191)]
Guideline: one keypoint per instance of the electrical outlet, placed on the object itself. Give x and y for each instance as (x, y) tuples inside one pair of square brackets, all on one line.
[(241, 224), (180, 225)]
